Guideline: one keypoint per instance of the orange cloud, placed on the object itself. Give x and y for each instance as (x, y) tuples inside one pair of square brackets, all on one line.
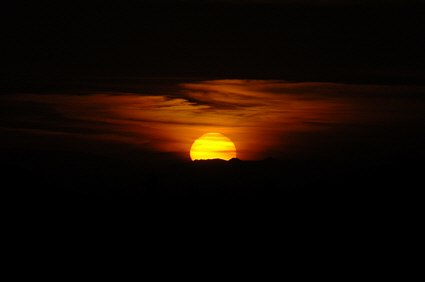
[(258, 116)]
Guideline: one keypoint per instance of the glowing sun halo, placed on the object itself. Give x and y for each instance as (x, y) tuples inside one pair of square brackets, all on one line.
[(213, 146)]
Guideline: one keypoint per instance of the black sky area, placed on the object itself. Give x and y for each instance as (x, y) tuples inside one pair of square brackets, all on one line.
[(374, 41)]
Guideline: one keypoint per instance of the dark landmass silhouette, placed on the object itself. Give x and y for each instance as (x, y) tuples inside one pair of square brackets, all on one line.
[(75, 183)]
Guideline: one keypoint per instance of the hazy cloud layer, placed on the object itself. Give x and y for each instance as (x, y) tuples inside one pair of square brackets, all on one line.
[(263, 118)]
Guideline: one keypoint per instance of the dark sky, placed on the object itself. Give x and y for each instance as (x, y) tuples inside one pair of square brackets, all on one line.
[(358, 41), (155, 75)]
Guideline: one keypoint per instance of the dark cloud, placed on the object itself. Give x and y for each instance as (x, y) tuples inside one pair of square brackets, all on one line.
[(304, 42)]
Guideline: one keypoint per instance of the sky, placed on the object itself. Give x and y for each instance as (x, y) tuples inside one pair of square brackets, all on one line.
[(264, 118), (284, 79), (376, 42)]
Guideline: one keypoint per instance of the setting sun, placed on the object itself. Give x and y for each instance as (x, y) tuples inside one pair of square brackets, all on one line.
[(212, 146)]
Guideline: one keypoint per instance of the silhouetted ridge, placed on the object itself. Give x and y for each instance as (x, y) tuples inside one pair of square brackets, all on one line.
[(210, 161), (271, 159)]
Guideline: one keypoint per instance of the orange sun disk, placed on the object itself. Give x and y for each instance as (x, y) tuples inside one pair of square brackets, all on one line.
[(212, 146)]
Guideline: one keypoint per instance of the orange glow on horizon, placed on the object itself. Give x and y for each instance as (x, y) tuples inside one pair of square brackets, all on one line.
[(213, 146), (263, 117)]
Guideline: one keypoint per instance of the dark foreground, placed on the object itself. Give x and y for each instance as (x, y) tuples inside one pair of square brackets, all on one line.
[(60, 184)]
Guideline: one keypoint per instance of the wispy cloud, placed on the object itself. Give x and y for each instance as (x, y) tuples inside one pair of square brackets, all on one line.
[(259, 116)]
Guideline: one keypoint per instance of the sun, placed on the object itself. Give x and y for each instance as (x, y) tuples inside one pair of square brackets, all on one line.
[(213, 145)]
